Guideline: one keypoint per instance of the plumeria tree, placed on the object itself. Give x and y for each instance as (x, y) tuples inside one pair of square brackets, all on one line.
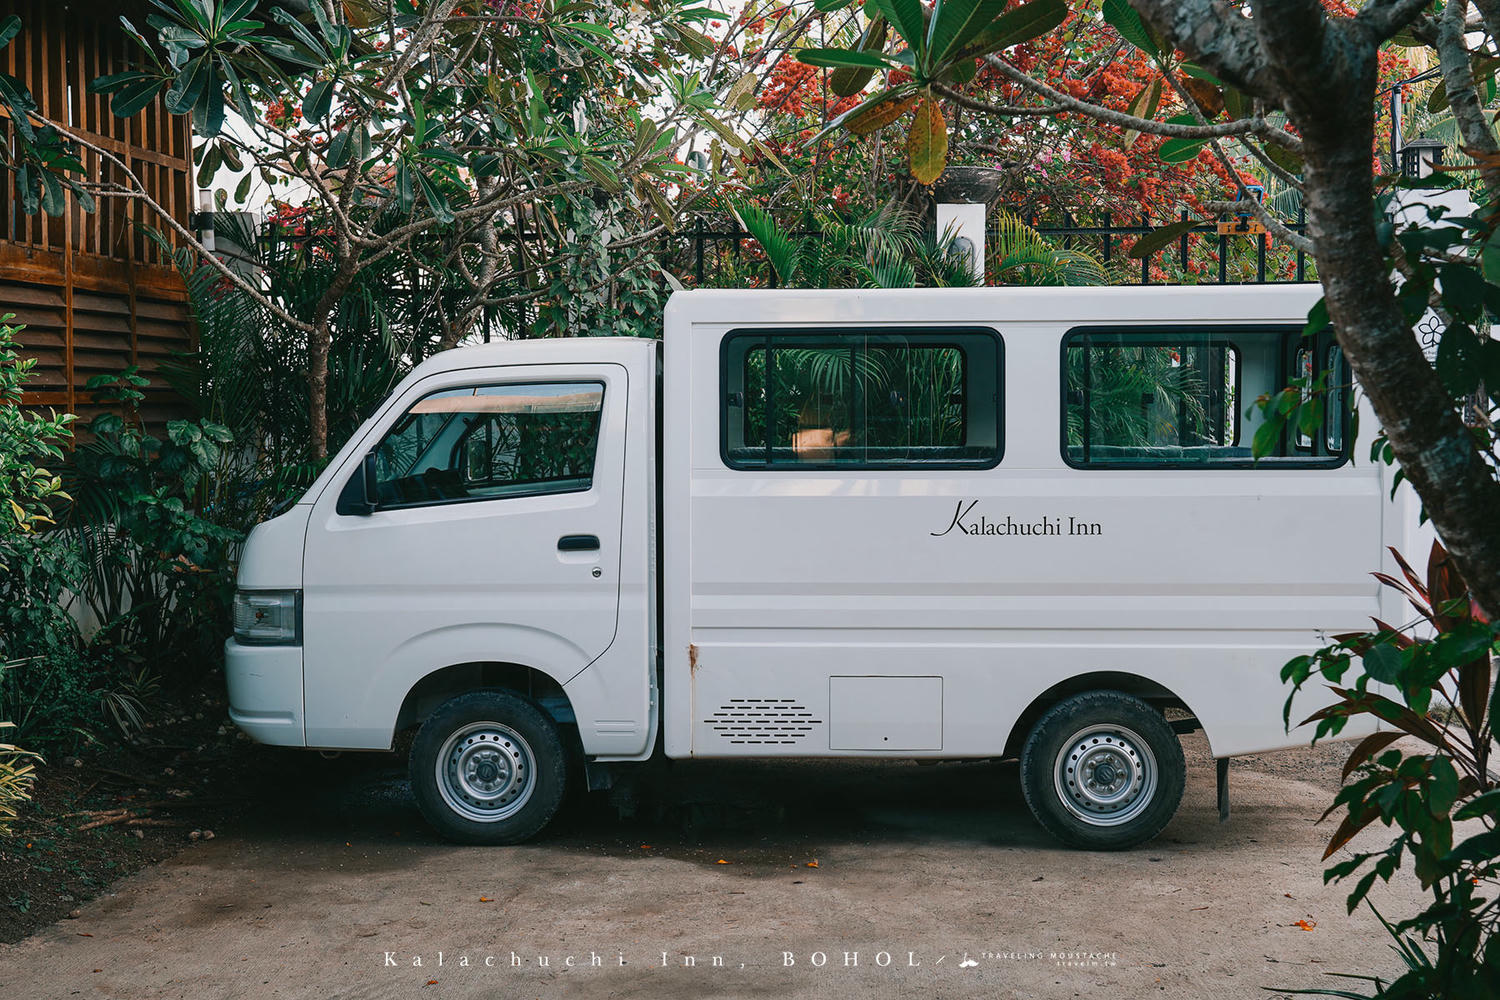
[(481, 137)]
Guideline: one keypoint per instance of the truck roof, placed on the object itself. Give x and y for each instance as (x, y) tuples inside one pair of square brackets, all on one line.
[(540, 351), (1008, 305), (1279, 303)]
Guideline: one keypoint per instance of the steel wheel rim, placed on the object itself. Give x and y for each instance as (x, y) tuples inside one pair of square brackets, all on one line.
[(1105, 775), (486, 772)]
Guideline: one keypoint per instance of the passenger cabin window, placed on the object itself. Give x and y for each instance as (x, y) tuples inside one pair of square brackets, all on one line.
[(1175, 397), (862, 399), (491, 441)]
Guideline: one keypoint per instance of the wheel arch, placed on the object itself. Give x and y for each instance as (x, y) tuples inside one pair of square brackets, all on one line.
[(444, 683), (1150, 691)]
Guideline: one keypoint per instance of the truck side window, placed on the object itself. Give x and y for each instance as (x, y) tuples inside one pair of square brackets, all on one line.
[(867, 399), (491, 441), (1168, 397)]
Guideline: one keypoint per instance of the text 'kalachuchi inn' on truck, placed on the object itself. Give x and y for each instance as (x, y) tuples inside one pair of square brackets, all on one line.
[(930, 524)]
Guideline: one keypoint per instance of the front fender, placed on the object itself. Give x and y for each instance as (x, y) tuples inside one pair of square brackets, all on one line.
[(363, 716)]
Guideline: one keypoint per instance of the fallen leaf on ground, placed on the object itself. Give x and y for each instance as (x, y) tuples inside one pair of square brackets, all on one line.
[(485, 899), (721, 861), (432, 982), (1306, 925), (813, 863)]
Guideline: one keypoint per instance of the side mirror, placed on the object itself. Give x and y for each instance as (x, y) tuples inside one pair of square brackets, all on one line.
[(371, 483)]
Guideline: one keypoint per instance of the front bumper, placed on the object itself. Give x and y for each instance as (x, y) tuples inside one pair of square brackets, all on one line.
[(265, 692)]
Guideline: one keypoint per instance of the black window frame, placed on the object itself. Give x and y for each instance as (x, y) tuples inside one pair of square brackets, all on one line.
[(1287, 349), (931, 337), (353, 485)]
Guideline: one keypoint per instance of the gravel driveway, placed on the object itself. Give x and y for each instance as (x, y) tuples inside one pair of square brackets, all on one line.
[(741, 879)]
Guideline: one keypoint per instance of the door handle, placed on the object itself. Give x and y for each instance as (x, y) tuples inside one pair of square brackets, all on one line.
[(577, 543)]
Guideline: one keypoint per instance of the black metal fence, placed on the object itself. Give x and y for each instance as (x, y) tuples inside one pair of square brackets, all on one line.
[(706, 250)]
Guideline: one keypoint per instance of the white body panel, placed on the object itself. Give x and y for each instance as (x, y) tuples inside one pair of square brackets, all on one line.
[(824, 612), (1205, 581)]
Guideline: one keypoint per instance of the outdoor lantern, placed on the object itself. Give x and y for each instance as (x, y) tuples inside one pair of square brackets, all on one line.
[(1420, 156)]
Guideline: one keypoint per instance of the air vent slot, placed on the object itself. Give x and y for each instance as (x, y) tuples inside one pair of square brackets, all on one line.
[(768, 721)]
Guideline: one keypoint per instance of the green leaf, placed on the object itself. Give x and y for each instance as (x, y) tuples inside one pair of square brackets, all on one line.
[(188, 86), (9, 28), (844, 57), (1180, 150), (1317, 319), (1437, 101), (130, 99), (1199, 73), (405, 195), (242, 189), (1238, 105), (1159, 239), (1268, 435), (319, 100), (927, 143), (848, 80), (906, 17), (1462, 289), (964, 70), (1283, 158), (1016, 26), (1310, 417), (956, 23), (1489, 258), (1119, 15), (53, 198), (1460, 360), (436, 201), (1383, 663), (784, 253), (208, 112), (329, 32), (829, 6)]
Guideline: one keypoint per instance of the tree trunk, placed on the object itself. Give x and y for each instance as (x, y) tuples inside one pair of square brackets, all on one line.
[(318, 345), (1420, 420), (317, 386)]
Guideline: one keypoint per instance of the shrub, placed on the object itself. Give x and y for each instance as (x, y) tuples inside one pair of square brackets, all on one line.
[(28, 492), (27, 489), (17, 773), (158, 570), (1435, 686)]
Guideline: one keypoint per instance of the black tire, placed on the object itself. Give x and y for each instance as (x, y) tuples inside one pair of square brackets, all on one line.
[(514, 768), (1134, 765)]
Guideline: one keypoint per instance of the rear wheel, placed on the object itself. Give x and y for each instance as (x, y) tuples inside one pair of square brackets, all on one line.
[(489, 767), (1102, 771)]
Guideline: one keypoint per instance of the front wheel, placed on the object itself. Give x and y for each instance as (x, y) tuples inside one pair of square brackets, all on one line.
[(489, 767), (1102, 771)]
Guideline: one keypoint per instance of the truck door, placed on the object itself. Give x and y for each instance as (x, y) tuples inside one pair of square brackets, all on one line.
[(496, 537)]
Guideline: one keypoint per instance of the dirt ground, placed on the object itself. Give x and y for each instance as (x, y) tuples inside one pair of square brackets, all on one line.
[(737, 879)]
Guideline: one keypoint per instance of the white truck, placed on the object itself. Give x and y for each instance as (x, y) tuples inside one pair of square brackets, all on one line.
[(930, 524)]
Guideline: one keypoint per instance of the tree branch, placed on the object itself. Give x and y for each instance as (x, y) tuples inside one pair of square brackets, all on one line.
[(1109, 116), (1387, 17)]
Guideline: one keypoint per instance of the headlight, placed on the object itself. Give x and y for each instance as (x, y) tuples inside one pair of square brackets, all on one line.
[(268, 617)]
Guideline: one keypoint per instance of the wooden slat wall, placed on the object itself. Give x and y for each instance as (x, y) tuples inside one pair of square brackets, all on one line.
[(95, 292)]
